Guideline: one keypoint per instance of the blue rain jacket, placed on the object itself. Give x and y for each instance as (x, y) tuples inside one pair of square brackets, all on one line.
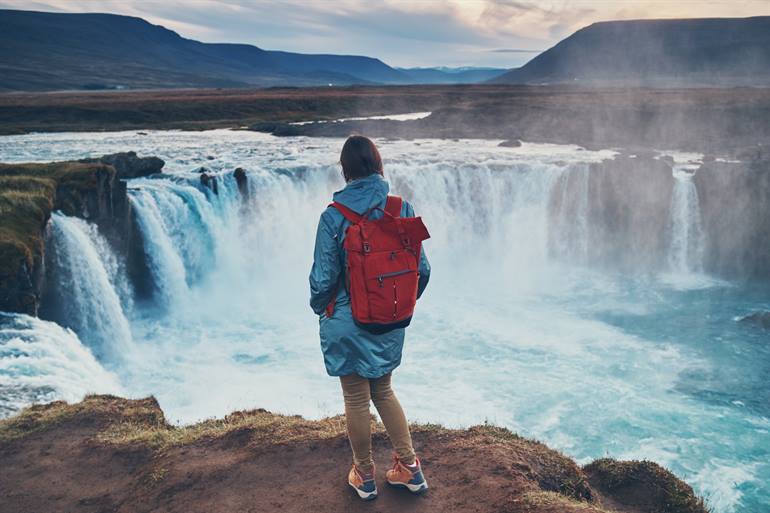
[(348, 349)]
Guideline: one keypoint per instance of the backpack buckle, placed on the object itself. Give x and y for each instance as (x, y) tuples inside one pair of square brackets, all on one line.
[(367, 249)]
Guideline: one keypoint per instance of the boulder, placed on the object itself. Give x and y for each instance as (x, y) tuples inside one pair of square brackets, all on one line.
[(210, 181), (510, 143), (761, 319), (240, 178)]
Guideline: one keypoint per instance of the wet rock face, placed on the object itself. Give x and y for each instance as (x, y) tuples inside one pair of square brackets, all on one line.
[(210, 181), (240, 178), (129, 165), (615, 213), (20, 288), (735, 209)]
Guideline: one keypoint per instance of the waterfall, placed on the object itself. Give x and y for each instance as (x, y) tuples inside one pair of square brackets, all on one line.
[(41, 361), (687, 244), (181, 231), (571, 231), (87, 297), (481, 213)]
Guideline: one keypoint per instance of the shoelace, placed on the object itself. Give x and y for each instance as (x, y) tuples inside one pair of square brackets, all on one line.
[(397, 462)]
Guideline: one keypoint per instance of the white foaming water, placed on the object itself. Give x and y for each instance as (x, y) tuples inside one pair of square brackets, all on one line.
[(687, 243), (88, 275), (588, 361), (572, 216), (41, 362), (687, 237)]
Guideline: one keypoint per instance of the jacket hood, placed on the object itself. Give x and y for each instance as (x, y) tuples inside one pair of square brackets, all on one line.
[(363, 193)]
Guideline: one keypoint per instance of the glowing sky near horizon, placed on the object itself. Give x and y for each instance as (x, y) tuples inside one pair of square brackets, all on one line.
[(406, 33)]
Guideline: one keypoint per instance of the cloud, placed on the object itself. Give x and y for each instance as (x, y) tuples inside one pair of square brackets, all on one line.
[(400, 32)]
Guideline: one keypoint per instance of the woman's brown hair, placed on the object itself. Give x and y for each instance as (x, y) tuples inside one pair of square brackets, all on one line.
[(360, 158)]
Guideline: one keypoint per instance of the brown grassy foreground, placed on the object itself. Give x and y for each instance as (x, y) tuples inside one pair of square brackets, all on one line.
[(112, 454)]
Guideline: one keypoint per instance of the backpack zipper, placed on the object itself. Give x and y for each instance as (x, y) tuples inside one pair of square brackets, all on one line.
[(382, 277)]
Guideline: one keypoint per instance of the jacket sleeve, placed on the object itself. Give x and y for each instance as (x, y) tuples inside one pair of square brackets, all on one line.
[(424, 264), (325, 273)]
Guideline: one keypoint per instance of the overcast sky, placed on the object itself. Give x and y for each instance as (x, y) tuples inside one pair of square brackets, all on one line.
[(503, 33)]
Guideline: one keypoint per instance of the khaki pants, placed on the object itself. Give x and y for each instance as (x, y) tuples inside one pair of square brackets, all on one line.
[(358, 392)]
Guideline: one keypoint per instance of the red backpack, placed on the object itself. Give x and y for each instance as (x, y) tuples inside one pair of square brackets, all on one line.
[(382, 271)]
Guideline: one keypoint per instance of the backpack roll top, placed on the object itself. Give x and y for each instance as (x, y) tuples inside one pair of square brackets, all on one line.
[(383, 258)]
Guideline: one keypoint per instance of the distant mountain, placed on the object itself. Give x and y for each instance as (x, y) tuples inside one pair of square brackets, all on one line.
[(50, 51), (443, 75), (686, 52)]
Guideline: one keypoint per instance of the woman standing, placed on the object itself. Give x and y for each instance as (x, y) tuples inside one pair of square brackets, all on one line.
[(362, 359)]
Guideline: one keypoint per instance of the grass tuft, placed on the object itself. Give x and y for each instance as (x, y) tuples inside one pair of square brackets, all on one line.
[(545, 501), (647, 478)]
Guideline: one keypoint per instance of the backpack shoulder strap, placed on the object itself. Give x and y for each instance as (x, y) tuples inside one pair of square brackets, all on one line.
[(348, 214), (393, 206)]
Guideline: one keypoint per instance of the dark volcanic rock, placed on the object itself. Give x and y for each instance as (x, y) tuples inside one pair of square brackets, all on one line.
[(20, 287), (210, 181), (129, 165), (241, 179)]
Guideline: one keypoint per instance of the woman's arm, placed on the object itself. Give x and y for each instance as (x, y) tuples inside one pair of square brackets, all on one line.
[(325, 273), (424, 268)]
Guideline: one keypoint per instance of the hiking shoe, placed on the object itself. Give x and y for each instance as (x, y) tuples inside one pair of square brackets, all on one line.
[(363, 484), (407, 476)]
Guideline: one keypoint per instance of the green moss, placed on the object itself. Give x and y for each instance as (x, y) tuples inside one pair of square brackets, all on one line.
[(27, 197), (25, 204)]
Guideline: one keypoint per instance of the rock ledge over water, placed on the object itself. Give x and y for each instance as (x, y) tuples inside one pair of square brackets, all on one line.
[(112, 454)]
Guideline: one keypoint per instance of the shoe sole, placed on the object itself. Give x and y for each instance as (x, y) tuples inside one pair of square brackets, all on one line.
[(416, 489), (364, 496)]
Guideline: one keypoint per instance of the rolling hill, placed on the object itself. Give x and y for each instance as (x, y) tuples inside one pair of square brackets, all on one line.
[(50, 51), (683, 52)]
